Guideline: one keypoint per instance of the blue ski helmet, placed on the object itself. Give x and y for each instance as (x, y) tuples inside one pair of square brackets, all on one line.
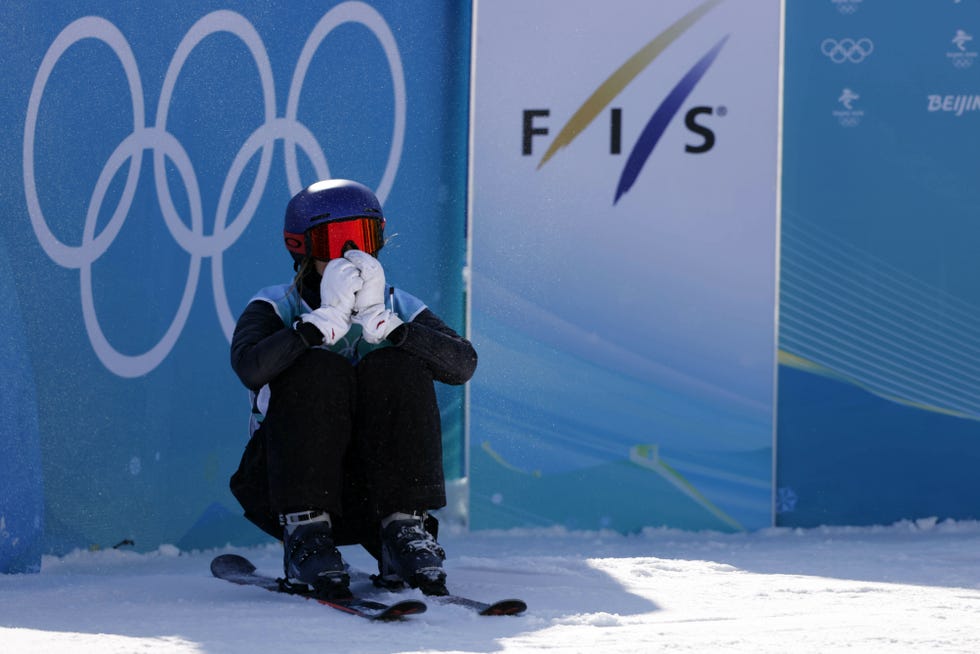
[(331, 216)]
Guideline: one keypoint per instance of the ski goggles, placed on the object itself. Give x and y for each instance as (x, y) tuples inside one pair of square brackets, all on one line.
[(330, 240)]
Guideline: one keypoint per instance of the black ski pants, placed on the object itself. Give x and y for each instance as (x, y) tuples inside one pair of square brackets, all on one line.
[(358, 441)]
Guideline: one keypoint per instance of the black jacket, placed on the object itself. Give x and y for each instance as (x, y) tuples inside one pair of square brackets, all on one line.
[(262, 347)]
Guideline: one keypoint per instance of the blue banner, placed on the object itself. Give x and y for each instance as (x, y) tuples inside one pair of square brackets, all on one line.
[(151, 155), (879, 377)]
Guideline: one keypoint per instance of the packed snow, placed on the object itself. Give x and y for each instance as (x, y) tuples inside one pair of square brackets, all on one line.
[(908, 587)]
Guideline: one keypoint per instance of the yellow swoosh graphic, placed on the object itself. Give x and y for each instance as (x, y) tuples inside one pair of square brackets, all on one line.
[(622, 77), (794, 361), (648, 456), (485, 445)]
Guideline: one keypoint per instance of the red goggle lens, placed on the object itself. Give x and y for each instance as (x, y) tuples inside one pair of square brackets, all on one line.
[(330, 240)]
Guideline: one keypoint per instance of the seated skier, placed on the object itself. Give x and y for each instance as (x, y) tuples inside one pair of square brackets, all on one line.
[(346, 442)]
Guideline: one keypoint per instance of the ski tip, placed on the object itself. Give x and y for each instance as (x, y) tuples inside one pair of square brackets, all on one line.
[(505, 607), (224, 564), (376, 610), (402, 609)]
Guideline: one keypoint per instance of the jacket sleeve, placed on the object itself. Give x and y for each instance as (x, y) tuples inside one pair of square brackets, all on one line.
[(262, 347), (450, 357)]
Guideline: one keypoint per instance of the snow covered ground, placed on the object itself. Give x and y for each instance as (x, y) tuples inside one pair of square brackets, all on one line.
[(909, 587)]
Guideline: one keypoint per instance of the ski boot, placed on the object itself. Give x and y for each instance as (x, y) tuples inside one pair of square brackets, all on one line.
[(410, 554), (310, 557)]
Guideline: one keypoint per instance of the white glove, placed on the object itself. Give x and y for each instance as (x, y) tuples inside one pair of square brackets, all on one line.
[(341, 281), (370, 313)]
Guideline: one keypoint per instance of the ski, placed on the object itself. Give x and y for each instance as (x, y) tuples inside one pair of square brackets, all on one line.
[(239, 570), (501, 607)]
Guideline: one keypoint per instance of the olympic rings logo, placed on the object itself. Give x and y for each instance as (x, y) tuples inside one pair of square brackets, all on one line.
[(847, 7), (854, 51), (164, 145)]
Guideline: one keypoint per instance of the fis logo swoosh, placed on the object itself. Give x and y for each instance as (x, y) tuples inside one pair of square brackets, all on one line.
[(621, 78)]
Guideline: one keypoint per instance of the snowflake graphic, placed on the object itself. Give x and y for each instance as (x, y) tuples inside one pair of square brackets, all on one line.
[(786, 500)]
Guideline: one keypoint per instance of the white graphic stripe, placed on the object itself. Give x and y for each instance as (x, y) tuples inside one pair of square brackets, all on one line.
[(165, 147)]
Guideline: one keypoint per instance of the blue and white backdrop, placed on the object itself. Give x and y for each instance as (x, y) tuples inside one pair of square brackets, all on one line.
[(624, 189), (150, 152), (623, 270), (879, 328)]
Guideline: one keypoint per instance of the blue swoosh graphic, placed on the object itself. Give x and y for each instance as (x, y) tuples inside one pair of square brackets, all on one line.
[(661, 118)]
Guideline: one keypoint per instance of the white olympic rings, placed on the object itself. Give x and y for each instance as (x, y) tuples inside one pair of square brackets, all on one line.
[(854, 51), (165, 146)]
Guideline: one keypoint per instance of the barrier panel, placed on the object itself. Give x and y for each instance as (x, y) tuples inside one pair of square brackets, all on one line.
[(879, 328), (153, 154), (623, 269)]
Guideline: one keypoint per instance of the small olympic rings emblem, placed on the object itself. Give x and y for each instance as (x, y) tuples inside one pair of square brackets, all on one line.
[(844, 50), (165, 146), (847, 7)]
